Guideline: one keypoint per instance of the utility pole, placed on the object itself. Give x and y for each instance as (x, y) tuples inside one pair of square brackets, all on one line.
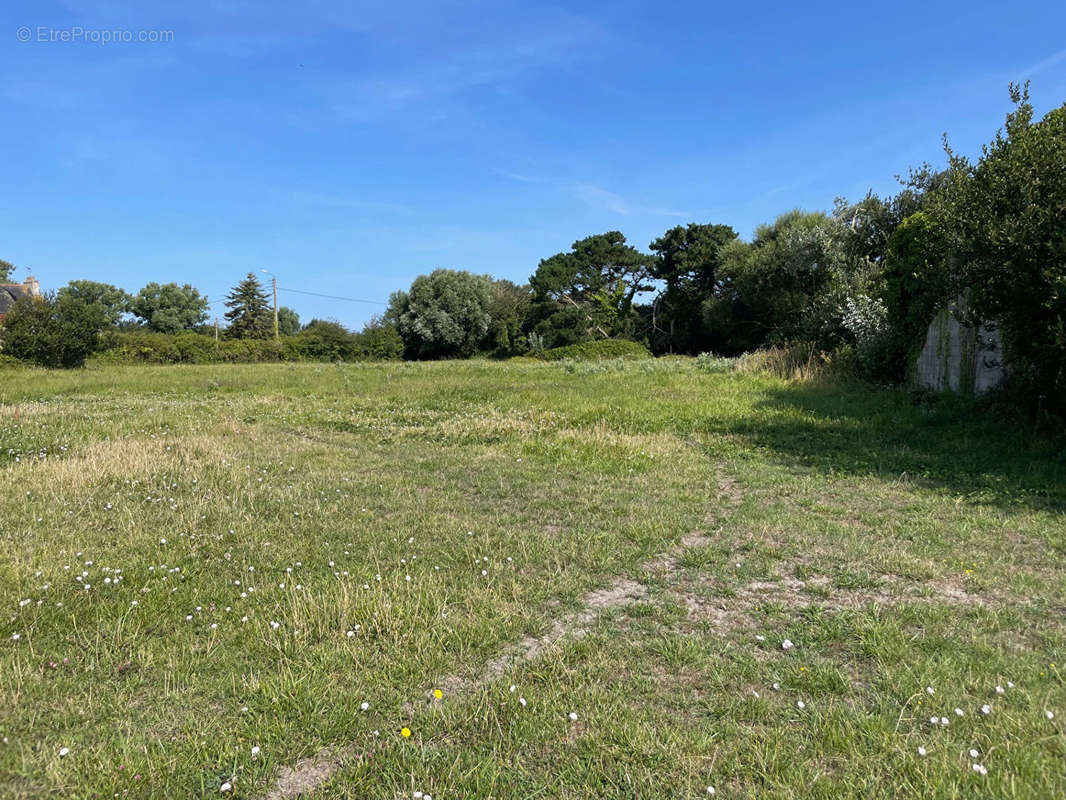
[(275, 282), (216, 330)]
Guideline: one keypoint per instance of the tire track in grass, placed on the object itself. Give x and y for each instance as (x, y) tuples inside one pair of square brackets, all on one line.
[(309, 773)]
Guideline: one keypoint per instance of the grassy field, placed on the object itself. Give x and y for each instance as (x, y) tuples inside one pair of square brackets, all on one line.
[(483, 580)]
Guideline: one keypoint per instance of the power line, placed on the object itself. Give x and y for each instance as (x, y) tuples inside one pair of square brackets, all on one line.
[(333, 296)]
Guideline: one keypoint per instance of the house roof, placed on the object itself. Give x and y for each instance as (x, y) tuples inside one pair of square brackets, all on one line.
[(10, 293)]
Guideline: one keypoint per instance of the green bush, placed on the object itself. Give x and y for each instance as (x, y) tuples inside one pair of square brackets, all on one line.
[(1003, 216), (52, 331), (324, 340), (593, 351), (378, 341)]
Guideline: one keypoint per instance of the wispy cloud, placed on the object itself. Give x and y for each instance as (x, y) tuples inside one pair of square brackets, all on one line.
[(515, 176), (502, 65), (598, 197), (1045, 64)]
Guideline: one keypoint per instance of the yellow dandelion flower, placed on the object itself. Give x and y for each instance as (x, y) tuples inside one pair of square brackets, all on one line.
[(437, 693), (405, 733)]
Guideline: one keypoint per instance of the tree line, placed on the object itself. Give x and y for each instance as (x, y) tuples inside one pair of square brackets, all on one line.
[(170, 322), (986, 238)]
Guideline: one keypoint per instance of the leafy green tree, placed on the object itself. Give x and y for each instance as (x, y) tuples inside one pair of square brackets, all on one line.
[(378, 341), (288, 321), (169, 308), (1004, 222), (7, 269), (114, 301), (249, 315), (687, 261), (778, 286), (326, 339), (917, 282), (52, 331), (600, 278), (443, 315), (508, 307)]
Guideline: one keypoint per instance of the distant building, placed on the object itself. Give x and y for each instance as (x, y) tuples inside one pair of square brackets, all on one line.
[(11, 293)]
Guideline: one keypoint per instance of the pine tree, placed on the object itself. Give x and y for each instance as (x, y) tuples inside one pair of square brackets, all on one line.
[(249, 311)]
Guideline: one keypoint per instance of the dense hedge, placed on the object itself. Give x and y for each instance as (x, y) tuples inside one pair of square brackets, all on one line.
[(591, 351), (144, 347)]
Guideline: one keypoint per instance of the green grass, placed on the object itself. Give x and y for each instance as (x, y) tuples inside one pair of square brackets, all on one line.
[(897, 544)]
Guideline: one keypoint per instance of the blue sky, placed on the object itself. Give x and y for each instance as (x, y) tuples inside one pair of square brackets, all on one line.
[(349, 147)]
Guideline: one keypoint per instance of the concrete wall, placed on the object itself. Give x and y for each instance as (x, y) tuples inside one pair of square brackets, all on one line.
[(958, 358)]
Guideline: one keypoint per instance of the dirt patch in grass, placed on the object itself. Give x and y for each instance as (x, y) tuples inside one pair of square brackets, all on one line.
[(306, 775), (622, 592), (730, 612)]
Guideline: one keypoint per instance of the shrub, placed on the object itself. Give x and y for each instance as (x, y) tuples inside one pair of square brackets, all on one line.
[(53, 331), (324, 340), (1004, 219), (592, 351), (378, 341)]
